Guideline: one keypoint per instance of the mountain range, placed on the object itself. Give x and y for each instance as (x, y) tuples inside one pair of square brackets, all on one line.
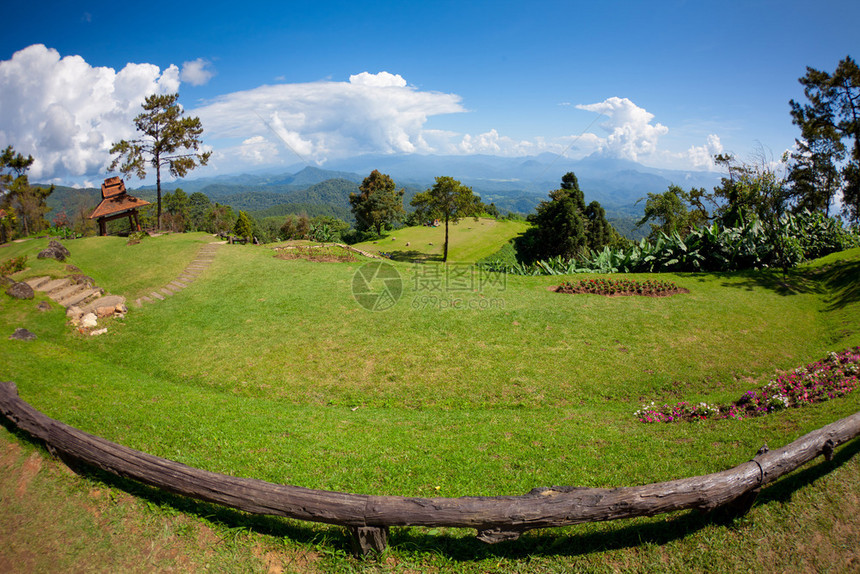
[(513, 184)]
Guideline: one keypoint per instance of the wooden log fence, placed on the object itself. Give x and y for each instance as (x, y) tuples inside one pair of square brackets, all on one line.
[(495, 518)]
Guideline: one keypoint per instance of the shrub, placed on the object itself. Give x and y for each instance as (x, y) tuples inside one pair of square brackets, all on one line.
[(13, 265)]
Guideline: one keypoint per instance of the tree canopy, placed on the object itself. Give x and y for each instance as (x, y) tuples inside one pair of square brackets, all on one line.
[(829, 123), (167, 140), (22, 206), (378, 203), (564, 226), (449, 200), (674, 210)]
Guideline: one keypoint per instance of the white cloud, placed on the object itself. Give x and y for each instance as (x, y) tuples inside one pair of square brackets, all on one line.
[(66, 113), (197, 72), (631, 133), (380, 80), (371, 113), (703, 156), (257, 150)]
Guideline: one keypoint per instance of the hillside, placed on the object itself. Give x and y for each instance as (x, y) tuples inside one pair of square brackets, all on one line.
[(469, 241)]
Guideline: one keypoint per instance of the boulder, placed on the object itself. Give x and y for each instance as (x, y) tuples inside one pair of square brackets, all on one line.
[(89, 321), (105, 311), (74, 313), (55, 250), (22, 335), (97, 332), (20, 291)]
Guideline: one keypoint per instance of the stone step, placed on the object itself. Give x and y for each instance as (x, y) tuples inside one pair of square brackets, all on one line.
[(58, 295), (53, 284), (80, 297), (166, 291), (106, 301), (35, 282), (157, 295)]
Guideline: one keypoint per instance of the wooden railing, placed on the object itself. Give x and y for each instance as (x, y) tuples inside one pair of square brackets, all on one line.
[(495, 518)]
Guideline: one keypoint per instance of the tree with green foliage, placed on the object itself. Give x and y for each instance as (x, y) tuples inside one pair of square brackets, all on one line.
[(750, 189), (823, 163), (176, 206), (18, 197), (198, 207), (448, 200), (168, 140), (378, 204), (221, 218), (243, 227), (675, 211), (564, 226)]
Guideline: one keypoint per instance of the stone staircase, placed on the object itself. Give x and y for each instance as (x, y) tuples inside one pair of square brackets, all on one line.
[(77, 291)]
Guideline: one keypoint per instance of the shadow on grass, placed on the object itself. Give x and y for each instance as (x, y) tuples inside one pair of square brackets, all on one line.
[(839, 282), (413, 256), (614, 535)]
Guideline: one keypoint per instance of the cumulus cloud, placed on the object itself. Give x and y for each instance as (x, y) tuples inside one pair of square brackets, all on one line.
[(631, 133), (66, 113), (703, 156), (318, 120), (197, 72)]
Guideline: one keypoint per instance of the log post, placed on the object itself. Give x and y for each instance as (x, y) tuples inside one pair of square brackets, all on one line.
[(368, 540)]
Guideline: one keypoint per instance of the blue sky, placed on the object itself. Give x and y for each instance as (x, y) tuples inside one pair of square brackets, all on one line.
[(663, 83)]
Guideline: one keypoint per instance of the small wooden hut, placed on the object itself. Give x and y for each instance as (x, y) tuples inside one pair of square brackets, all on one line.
[(116, 204)]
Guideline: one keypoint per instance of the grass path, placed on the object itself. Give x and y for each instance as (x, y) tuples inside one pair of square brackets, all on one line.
[(197, 266)]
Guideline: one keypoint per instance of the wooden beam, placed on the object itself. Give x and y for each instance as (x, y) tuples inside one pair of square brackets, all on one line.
[(496, 518)]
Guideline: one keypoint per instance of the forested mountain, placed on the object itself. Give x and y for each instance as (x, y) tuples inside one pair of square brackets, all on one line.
[(512, 184)]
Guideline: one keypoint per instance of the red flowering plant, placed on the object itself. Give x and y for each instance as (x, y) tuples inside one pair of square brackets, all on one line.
[(834, 376)]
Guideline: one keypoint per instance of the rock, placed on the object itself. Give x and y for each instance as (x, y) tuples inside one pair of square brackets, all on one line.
[(97, 332), (55, 250), (72, 269), (20, 291), (74, 313), (105, 311), (81, 279), (106, 301), (43, 306), (407, 244), (89, 321), (120, 309), (22, 335)]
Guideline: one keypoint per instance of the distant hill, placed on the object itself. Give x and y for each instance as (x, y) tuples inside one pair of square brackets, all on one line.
[(72, 200), (512, 184)]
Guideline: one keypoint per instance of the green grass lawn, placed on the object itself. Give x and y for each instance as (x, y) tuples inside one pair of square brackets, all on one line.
[(469, 240), (469, 385)]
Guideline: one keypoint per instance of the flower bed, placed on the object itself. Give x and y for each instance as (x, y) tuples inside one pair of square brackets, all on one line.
[(621, 287), (834, 376)]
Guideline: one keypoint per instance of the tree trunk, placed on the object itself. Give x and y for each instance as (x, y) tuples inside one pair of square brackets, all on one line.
[(445, 252), (158, 191)]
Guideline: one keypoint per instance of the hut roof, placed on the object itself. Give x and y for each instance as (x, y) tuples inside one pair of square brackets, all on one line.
[(115, 199)]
